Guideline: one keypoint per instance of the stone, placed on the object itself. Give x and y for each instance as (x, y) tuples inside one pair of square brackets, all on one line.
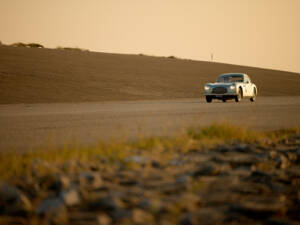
[(13, 201), (205, 169), (108, 203), (54, 182), (182, 180), (241, 147), (155, 164), (205, 216), (186, 220), (54, 210), (176, 162), (137, 159), (152, 205), (141, 217), (260, 207), (90, 180), (70, 197), (275, 221), (121, 214), (240, 159), (104, 219), (284, 162), (260, 177)]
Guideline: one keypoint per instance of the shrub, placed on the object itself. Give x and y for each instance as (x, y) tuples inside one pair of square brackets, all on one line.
[(35, 45), (19, 44), (172, 57)]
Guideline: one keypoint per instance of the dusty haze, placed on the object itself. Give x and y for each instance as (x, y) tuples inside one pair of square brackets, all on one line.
[(260, 33)]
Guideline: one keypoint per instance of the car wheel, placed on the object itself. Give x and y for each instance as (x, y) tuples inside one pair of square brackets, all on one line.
[(239, 97), (253, 98), (208, 99)]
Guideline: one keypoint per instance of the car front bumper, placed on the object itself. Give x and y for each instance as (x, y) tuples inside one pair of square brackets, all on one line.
[(228, 93)]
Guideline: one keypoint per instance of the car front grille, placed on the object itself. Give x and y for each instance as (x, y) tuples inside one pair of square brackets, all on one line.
[(219, 90)]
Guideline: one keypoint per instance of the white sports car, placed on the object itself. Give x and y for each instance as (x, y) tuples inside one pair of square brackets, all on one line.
[(231, 86)]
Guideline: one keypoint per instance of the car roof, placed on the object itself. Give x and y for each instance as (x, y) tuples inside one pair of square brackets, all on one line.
[(232, 74)]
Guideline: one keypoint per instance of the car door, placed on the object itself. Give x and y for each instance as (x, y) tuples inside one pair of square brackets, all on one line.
[(248, 87), (245, 87)]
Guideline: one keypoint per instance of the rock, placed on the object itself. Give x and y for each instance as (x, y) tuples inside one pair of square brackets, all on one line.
[(182, 180), (274, 154), (205, 216), (64, 181), (222, 149), (155, 164), (54, 210), (240, 159), (13, 201), (176, 162), (260, 177), (275, 221), (284, 162), (120, 214), (90, 180), (141, 217), (205, 169), (54, 182), (137, 159), (108, 203), (186, 220), (260, 207), (241, 147), (104, 219), (153, 205), (70, 197)]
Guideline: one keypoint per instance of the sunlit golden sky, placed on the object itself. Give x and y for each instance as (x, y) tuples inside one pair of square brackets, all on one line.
[(262, 33)]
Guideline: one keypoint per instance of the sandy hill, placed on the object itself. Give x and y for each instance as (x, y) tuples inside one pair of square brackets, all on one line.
[(29, 75)]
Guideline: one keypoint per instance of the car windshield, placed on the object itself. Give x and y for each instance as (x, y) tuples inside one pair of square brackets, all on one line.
[(230, 78)]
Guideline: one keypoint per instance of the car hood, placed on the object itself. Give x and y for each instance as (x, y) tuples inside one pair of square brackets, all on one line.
[(220, 84)]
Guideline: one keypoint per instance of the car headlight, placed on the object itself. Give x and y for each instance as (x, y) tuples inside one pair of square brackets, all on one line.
[(232, 87), (206, 88)]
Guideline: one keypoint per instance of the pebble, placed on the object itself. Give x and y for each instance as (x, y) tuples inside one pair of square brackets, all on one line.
[(13, 201), (70, 197), (54, 210), (90, 180), (104, 219)]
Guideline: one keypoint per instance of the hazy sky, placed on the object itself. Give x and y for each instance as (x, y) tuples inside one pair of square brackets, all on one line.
[(262, 33)]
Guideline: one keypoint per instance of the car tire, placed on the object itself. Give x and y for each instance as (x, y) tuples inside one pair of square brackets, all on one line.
[(239, 97), (224, 99), (208, 99), (253, 98)]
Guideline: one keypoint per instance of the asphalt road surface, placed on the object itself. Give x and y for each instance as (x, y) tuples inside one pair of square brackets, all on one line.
[(43, 126)]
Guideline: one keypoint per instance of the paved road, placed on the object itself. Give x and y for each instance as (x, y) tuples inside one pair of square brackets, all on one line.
[(31, 126)]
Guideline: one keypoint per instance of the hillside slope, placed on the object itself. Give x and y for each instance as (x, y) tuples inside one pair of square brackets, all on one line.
[(52, 75)]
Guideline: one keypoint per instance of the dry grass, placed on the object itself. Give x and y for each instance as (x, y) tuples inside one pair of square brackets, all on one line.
[(115, 152)]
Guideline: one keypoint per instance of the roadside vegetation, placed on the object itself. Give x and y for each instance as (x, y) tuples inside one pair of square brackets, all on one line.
[(29, 45), (12, 164)]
